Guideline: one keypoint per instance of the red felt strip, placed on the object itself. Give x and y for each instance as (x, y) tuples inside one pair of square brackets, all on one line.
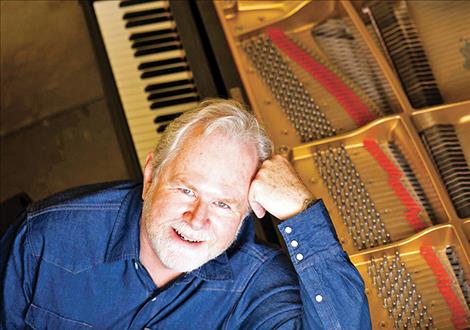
[(394, 174), (459, 317), (352, 104)]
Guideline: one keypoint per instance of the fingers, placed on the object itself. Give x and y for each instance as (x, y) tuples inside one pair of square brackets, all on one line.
[(258, 209), (255, 206), (277, 189)]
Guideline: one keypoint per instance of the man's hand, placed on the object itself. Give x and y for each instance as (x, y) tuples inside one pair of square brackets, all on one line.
[(277, 189)]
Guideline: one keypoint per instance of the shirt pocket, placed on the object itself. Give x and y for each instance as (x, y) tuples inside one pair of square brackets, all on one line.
[(39, 318)]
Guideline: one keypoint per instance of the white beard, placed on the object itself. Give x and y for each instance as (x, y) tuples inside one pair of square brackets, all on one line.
[(172, 255)]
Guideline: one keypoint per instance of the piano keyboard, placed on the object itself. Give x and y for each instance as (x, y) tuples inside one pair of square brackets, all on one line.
[(149, 65)]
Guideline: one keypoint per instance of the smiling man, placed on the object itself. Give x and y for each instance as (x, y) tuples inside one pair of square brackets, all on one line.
[(185, 257)]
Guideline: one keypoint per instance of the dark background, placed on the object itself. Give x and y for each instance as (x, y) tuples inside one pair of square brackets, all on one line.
[(55, 126)]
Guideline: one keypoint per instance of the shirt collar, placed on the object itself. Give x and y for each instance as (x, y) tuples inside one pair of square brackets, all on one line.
[(124, 242), (125, 238)]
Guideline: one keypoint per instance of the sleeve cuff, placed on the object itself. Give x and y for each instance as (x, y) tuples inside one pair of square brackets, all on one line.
[(310, 235)]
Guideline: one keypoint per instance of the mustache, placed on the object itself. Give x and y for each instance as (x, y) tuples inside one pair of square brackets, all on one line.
[(182, 227), (178, 224)]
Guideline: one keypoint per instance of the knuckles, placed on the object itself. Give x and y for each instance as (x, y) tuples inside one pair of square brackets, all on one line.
[(274, 162)]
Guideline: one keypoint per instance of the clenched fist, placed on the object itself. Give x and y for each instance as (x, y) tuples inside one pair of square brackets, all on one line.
[(277, 189)]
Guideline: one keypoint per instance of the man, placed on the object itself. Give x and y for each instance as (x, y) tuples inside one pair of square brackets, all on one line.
[(186, 258)]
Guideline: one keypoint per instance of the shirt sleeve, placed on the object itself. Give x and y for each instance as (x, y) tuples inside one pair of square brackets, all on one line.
[(318, 288), (331, 289), (16, 264)]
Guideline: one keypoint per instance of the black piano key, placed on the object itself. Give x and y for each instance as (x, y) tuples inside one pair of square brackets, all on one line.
[(166, 118), (156, 41), (152, 20), (148, 34), (167, 103), (149, 12), (161, 86), (156, 50), (156, 73), (173, 92), (127, 3)]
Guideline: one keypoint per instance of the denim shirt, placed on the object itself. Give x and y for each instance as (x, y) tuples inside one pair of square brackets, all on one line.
[(72, 262)]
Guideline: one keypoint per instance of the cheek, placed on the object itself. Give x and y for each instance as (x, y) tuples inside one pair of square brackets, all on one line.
[(163, 214), (163, 207)]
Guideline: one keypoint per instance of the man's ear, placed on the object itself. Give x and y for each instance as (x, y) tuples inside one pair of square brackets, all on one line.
[(148, 173)]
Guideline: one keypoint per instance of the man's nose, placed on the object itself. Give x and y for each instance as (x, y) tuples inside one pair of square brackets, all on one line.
[(197, 215)]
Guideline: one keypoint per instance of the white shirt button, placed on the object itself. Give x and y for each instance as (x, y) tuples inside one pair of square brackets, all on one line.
[(155, 298), (288, 230), (136, 265), (299, 256), (294, 243), (318, 298)]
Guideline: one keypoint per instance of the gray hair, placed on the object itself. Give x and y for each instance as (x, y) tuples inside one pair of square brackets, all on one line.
[(229, 116)]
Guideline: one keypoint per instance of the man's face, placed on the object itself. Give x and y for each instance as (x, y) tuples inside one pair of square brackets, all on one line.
[(193, 210)]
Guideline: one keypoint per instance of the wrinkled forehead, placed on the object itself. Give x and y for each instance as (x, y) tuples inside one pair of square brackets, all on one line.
[(204, 134), (231, 151)]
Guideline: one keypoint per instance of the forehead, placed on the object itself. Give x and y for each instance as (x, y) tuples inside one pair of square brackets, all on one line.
[(216, 159)]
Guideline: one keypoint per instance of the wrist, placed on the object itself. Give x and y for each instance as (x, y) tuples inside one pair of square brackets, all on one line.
[(303, 202), (309, 201)]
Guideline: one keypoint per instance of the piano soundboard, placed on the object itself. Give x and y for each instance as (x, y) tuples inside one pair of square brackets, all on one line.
[(357, 96)]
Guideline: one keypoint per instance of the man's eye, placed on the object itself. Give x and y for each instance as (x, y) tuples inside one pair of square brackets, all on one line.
[(222, 205), (187, 191)]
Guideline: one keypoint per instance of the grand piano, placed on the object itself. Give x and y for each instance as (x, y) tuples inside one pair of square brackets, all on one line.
[(368, 99)]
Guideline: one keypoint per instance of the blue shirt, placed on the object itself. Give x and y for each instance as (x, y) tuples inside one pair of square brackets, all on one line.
[(72, 262)]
